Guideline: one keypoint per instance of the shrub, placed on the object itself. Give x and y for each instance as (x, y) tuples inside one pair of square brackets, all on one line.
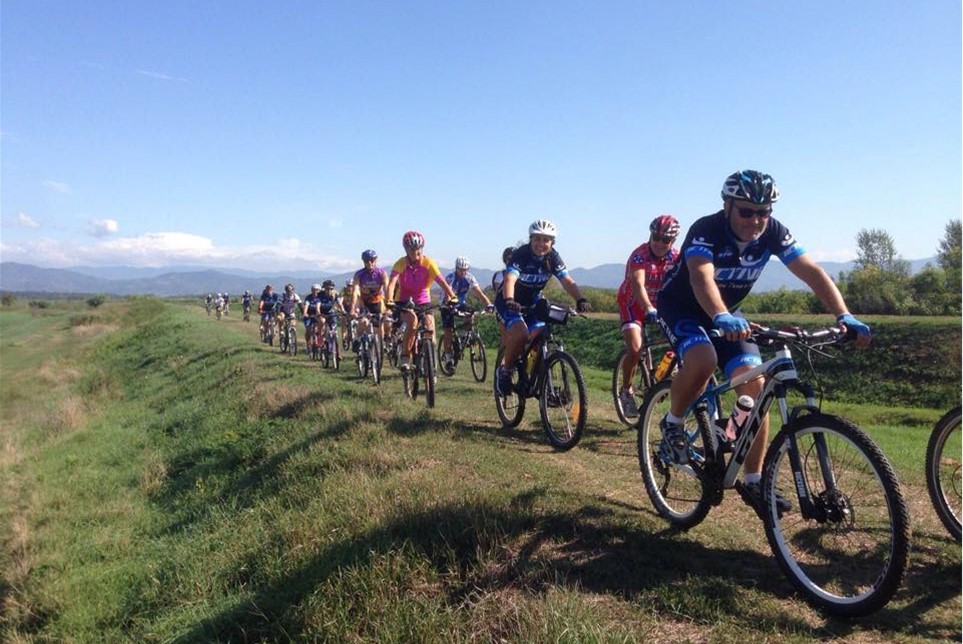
[(96, 300), (39, 304), (7, 299)]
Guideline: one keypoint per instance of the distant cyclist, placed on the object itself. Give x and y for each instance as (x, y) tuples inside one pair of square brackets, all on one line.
[(227, 304), (246, 301), (413, 274), (462, 283), (316, 303), (288, 307), (498, 277), (637, 296), (532, 266), (267, 308), (368, 293), (721, 258)]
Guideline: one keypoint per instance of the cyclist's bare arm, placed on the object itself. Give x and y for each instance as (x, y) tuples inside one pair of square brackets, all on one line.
[(446, 287), (571, 287), (702, 279), (638, 289), (481, 294), (824, 289)]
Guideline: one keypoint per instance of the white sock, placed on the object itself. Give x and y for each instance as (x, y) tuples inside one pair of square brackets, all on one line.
[(672, 419), (751, 478)]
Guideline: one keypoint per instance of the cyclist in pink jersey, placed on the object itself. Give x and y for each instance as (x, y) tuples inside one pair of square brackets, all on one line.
[(644, 272), (413, 275)]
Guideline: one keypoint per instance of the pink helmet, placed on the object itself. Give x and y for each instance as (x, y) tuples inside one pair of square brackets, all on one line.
[(665, 225), (413, 239)]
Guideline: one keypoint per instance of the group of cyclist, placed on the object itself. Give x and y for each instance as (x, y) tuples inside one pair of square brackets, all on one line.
[(692, 292)]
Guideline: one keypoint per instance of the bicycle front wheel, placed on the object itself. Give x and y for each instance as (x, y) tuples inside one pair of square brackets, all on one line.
[(640, 386), (374, 359), (292, 342), (678, 492), (428, 371), (446, 368), (562, 401), (479, 361), (846, 548), (943, 470)]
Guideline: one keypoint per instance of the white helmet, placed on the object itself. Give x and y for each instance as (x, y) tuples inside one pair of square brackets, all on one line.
[(315, 287), (543, 227), (462, 263)]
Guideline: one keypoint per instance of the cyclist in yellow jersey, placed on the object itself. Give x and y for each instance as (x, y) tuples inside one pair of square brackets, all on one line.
[(413, 275)]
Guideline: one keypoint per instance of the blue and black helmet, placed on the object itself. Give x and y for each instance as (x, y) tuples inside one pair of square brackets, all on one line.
[(369, 255), (752, 186)]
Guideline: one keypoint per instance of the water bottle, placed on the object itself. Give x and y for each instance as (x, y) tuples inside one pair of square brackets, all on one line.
[(739, 415), (662, 370), (530, 361)]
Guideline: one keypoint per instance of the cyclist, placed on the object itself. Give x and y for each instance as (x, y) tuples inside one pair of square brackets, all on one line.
[(288, 306), (219, 303), (462, 283), (310, 310), (330, 306), (209, 302), (722, 256), (637, 295), (498, 277), (246, 301), (267, 307), (413, 275), (370, 286), (345, 297), (227, 303), (532, 265)]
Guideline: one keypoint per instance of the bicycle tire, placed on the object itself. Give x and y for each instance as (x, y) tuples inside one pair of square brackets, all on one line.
[(562, 401), (834, 559), (292, 342), (945, 490), (335, 354), (361, 361), (642, 384), (375, 355), (442, 366), (510, 408), (428, 371), (478, 358), (678, 492)]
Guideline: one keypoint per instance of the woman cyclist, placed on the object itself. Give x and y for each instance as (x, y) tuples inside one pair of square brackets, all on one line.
[(370, 285), (310, 313), (532, 265), (413, 275), (644, 272), (462, 283)]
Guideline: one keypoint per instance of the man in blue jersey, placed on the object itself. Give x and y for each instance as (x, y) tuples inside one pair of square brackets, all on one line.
[(721, 258)]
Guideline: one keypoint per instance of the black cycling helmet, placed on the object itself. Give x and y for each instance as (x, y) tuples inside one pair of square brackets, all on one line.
[(507, 254), (327, 284), (369, 256), (752, 186)]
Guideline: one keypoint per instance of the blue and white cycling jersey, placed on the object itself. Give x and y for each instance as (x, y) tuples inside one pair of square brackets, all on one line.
[(737, 264), (532, 273), (462, 286)]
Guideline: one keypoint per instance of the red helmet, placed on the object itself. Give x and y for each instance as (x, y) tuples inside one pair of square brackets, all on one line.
[(413, 239), (665, 225)]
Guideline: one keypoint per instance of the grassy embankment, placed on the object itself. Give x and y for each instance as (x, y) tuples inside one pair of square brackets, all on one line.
[(167, 478)]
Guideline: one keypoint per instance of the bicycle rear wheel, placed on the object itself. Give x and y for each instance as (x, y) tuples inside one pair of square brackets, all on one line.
[(562, 401), (443, 367), (479, 361), (943, 470), (678, 492), (510, 407), (640, 386), (361, 360), (850, 556)]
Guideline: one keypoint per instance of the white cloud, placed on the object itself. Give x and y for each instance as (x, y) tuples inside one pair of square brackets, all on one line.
[(103, 227), (26, 221), (159, 76), (335, 223), (57, 186), (172, 248), (834, 255)]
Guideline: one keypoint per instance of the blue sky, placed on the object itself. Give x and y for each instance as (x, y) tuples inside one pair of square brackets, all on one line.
[(293, 135)]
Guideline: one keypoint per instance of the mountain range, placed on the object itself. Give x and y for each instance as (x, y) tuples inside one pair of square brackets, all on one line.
[(194, 280)]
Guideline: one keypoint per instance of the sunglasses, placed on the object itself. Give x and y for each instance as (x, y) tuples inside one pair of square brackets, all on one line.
[(662, 238), (749, 213)]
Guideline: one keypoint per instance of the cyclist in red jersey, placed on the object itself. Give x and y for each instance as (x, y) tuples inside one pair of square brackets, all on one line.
[(644, 272)]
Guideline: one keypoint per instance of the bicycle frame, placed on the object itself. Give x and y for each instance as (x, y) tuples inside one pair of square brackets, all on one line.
[(780, 374)]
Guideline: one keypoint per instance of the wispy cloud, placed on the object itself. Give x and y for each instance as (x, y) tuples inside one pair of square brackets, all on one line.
[(103, 227), (160, 76), (335, 223), (26, 221), (57, 186)]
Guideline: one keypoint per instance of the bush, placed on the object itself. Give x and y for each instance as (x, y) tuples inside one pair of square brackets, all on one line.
[(39, 304), (7, 299), (96, 300)]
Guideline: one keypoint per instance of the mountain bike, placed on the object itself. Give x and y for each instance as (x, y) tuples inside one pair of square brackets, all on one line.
[(267, 328), (845, 543), (247, 312), (544, 370), (351, 332), (421, 371), (289, 337), (314, 339), (394, 340), (463, 338), (330, 349), (653, 351), (218, 310), (943, 470), (208, 306), (369, 356)]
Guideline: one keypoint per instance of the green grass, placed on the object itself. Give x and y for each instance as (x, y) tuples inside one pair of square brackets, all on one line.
[(209, 489)]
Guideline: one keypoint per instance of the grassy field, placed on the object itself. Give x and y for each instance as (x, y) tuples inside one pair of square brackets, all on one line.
[(168, 478)]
